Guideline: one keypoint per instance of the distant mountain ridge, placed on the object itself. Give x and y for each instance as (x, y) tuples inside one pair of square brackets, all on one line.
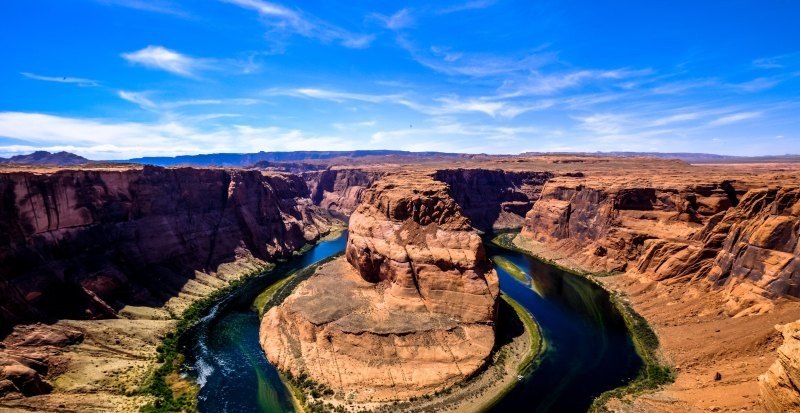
[(690, 157), (248, 159), (46, 158)]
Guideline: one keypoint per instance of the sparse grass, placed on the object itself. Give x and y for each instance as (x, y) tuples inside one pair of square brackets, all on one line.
[(532, 327), (510, 268), (173, 394), (653, 374)]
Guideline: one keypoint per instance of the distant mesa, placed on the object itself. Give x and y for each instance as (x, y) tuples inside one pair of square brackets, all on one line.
[(46, 158)]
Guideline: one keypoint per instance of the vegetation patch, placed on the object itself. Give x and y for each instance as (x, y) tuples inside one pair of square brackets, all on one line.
[(653, 374), (171, 392), (510, 268)]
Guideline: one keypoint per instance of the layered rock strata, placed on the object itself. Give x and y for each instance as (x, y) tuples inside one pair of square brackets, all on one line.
[(411, 310), (494, 199), (84, 243), (779, 386), (340, 190)]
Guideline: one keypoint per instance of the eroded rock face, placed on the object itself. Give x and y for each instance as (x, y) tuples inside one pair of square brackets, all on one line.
[(340, 190), (493, 198), (25, 357), (610, 227), (409, 312), (82, 244), (779, 386)]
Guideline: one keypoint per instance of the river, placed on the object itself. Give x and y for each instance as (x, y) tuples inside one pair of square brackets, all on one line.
[(589, 350)]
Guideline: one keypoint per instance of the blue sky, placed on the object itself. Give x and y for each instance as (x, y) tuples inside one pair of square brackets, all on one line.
[(114, 79)]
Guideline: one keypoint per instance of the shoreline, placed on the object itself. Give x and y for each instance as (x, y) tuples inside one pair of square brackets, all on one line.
[(122, 364), (489, 385), (654, 373)]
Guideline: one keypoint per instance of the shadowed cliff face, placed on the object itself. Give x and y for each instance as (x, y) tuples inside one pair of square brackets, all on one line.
[(411, 310), (82, 244), (494, 199), (340, 190)]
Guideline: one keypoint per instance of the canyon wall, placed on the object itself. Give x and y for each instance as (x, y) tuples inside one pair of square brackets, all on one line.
[(744, 240), (84, 243), (740, 241), (494, 199), (411, 310), (340, 190)]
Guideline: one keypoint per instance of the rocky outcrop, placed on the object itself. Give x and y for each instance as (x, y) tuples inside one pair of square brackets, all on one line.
[(84, 243), (340, 190), (411, 310), (610, 227), (742, 242), (780, 386), (493, 198), (25, 357)]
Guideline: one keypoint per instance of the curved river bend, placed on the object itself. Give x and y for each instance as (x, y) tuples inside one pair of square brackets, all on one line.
[(589, 350)]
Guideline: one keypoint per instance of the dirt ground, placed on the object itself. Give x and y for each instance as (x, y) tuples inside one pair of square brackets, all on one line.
[(699, 341)]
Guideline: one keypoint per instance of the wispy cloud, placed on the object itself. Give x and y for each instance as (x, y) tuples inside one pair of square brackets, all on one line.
[(284, 20), (470, 5), (775, 62), (474, 65), (399, 20), (548, 84), (108, 139), (154, 6), (161, 58), (333, 95), (74, 80), (734, 118), (444, 105), (139, 98), (145, 100)]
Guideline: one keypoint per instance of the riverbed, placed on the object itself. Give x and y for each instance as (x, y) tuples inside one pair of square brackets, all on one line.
[(588, 348)]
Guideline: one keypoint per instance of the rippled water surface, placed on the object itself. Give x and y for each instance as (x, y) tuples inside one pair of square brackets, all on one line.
[(588, 348)]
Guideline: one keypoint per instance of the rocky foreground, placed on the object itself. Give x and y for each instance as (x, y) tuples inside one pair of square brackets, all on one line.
[(411, 310)]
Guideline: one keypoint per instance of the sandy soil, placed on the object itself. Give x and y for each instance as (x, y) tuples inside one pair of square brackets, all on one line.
[(117, 356), (699, 341)]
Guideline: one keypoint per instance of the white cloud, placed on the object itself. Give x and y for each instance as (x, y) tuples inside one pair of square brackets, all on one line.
[(757, 85), (446, 105), (474, 65), (155, 6), (332, 95), (91, 137), (285, 20), (734, 118), (548, 84), (158, 57), (401, 19), (139, 98), (470, 5), (145, 100), (74, 80)]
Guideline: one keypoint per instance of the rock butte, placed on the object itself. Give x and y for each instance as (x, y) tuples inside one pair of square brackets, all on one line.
[(706, 253), (411, 310)]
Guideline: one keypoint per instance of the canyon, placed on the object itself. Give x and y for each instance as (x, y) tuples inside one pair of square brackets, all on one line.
[(411, 311), (706, 253)]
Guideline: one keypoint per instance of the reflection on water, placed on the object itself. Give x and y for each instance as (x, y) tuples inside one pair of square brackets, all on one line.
[(588, 348), (588, 351), (223, 352)]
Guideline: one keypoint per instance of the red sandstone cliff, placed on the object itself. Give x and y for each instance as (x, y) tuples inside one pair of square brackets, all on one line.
[(494, 199), (82, 244), (411, 311)]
